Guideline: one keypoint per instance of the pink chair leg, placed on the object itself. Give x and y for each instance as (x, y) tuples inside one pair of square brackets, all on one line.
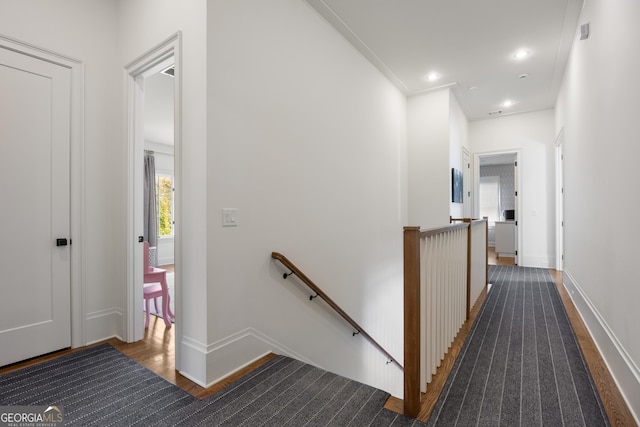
[(146, 322), (155, 303), (171, 315), (165, 302)]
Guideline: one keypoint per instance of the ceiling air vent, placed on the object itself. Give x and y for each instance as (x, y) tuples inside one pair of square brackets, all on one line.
[(170, 71)]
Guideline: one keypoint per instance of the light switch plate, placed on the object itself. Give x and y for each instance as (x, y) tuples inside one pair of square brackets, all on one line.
[(229, 217)]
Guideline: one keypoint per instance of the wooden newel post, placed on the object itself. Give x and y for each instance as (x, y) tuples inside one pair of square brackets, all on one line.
[(469, 254), (411, 321)]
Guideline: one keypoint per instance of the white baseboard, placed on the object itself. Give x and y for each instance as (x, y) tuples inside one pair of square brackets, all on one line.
[(624, 371), (505, 255), (165, 261), (230, 354), (103, 324), (536, 261), (193, 360)]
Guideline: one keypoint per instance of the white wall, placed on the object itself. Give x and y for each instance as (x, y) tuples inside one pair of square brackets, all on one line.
[(429, 156), (533, 135), (307, 140), (85, 31), (458, 138), (437, 130), (598, 108)]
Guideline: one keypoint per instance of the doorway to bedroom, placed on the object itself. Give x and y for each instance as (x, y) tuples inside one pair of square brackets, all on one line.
[(498, 201), (159, 189), (154, 146)]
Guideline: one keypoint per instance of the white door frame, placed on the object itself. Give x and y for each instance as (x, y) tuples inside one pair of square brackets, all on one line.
[(77, 188), (518, 189), (467, 184), (560, 201), (146, 65)]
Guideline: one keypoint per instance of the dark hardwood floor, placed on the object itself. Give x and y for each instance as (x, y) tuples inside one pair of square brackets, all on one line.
[(494, 259)]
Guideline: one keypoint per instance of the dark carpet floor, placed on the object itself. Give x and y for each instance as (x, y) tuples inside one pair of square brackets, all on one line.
[(521, 364), (103, 387)]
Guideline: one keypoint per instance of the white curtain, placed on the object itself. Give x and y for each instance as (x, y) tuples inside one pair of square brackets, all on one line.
[(150, 217)]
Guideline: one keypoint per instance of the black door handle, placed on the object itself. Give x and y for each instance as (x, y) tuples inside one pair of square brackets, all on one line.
[(61, 242)]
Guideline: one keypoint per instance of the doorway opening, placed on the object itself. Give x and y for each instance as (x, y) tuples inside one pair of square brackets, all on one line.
[(497, 189), (158, 184), (154, 99)]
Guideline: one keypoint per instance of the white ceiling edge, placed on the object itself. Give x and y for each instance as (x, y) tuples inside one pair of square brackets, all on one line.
[(569, 30), (158, 147), (343, 29), (339, 25), (562, 55)]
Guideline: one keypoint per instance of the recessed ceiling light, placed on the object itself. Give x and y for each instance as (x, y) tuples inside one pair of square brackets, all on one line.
[(521, 54), (432, 77), (508, 103)]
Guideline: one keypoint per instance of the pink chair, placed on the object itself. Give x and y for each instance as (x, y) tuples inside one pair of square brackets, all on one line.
[(155, 285)]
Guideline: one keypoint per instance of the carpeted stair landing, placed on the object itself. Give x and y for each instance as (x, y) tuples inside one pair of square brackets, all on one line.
[(101, 386)]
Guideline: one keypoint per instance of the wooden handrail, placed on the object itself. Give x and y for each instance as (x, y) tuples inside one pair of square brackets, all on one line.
[(295, 270), (444, 229)]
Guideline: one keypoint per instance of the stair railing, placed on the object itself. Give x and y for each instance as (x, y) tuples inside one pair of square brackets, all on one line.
[(435, 302), (359, 330), (477, 257)]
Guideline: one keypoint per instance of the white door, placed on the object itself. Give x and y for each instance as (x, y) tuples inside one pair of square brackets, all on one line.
[(35, 279)]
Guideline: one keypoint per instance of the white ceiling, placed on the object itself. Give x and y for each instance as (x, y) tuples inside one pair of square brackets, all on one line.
[(470, 43), (158, 109)]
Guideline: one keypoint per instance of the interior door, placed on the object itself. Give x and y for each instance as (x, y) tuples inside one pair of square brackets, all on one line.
[(35, 213)]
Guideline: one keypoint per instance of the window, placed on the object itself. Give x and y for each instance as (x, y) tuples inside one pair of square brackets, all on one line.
[(164, 204), (490, 198)]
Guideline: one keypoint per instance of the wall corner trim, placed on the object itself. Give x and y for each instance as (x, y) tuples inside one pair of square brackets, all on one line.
[(232, 353)]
